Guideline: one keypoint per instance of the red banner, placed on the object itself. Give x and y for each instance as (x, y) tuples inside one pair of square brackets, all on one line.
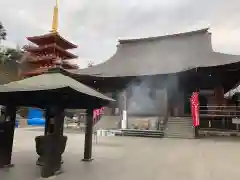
[(195, 109), (98, 112)]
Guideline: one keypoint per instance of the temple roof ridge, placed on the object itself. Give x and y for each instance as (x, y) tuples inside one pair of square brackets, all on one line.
[(182, 34), (169, 56)]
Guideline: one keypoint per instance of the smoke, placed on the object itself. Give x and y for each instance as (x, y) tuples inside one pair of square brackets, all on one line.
[(141, 102), (147, 95)]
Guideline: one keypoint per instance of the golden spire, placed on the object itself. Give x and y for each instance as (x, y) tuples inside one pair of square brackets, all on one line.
[(55, 18)]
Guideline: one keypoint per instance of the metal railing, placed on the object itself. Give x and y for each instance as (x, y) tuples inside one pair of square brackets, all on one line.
[(219, 111), (219, 117)]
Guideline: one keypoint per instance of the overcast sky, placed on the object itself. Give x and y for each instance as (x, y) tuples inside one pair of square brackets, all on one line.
[(95, 25)]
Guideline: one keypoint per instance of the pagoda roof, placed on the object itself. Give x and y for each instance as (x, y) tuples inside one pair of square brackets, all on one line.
[(67, 65), (160, 55), (50, 48), (50, 38)]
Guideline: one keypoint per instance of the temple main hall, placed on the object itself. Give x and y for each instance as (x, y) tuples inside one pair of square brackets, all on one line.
[(155, 78)]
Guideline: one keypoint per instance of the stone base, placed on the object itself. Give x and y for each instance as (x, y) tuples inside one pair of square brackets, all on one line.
[(87, 160), (59, 172), (7, 166)]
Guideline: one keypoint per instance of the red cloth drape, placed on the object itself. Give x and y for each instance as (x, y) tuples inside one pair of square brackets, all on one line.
[(195, 109)]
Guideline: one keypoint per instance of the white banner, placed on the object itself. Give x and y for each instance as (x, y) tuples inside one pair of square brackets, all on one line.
[(124, 120)]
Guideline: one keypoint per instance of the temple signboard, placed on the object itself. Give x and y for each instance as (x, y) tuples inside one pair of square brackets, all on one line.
[(236, 120)]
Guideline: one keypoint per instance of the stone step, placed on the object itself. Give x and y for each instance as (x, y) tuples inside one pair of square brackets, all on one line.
[(179, 136), (142, 133), (180, 125), (179, 128), (179, 132), (176, 130), (180, 122)]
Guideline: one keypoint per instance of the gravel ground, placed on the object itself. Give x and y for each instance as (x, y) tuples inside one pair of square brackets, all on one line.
[(129, 158)]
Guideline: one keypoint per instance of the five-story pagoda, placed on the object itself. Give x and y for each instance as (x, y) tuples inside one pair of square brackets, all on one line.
[(48, 51)]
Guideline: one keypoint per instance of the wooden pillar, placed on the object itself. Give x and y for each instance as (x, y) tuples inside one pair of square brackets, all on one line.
[(47, 121), (59, 121), (88, 136), (7, 127)]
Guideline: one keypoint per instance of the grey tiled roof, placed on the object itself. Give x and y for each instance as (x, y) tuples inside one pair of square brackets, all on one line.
[(161, 55)]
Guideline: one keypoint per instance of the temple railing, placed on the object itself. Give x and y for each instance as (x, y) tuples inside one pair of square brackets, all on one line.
[(37, 58), (219, 111), (219, 117)]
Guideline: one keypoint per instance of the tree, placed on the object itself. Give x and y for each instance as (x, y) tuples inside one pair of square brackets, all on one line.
[(3, 32), (90, 64), (13, 54), (9, 66), (10, 55), (8, 60)]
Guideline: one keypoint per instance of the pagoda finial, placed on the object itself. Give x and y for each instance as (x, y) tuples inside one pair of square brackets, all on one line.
[(55, 18)]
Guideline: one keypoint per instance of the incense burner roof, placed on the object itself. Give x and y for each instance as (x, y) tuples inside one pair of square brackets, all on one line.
[(49, 88)]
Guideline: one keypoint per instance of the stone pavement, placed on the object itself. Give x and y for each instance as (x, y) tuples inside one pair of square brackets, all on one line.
[(129, 158)]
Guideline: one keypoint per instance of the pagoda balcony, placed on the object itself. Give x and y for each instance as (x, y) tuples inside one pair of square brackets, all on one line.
[(49, 49), (42, 58)]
